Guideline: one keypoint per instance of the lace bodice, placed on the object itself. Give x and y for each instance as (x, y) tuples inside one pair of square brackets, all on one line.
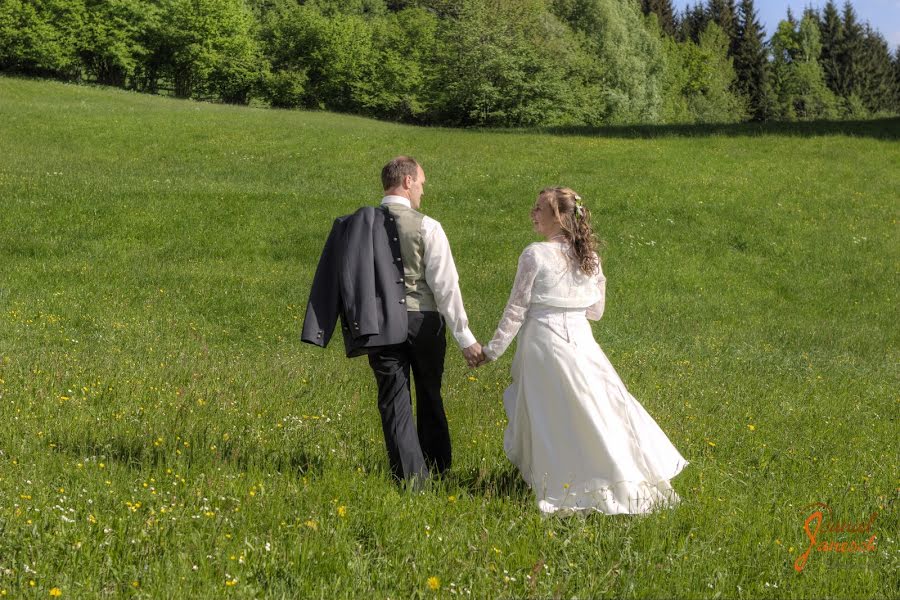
[(547, 278)]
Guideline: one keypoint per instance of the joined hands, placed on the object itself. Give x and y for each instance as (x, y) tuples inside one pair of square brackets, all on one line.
[(474, 355)]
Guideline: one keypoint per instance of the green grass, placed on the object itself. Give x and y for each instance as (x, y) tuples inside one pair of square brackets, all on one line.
[(167, 434)]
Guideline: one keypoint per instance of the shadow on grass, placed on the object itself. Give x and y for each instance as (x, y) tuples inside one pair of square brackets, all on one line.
[(482, 482), (883, 129), (136, 453)]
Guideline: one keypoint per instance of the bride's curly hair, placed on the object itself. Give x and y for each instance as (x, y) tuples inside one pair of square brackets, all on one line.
[(575, 221)]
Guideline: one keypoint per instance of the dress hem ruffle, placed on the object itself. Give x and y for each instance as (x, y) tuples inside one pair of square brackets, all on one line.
[(621, 497)]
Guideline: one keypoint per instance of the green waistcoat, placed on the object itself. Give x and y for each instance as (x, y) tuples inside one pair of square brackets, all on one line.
[(412, 249)]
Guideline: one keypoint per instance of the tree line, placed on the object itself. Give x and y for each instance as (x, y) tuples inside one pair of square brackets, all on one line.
[(468, 62)]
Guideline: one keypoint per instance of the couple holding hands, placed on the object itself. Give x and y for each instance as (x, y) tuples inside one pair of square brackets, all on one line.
[(580, 441)]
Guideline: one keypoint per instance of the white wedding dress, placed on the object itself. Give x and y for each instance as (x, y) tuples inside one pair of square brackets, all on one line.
[(580, 440)]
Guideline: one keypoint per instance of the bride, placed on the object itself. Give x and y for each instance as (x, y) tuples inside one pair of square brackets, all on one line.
[(580, 440)]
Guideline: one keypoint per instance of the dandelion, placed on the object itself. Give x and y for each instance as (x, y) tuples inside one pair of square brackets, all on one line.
[(434, 583), (342, 511), (472, 378), (751, 426), (713, 444), (55, 592), (312, 525), (231, 582), (451, 499)]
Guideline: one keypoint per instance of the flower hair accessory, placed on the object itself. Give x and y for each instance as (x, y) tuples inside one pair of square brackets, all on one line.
[(579, 207)]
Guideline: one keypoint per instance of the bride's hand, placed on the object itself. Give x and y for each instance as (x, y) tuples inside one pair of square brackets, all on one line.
[(482, 359), (473, 355)]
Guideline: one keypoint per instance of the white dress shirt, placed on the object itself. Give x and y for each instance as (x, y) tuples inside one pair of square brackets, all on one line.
[(441, 275)]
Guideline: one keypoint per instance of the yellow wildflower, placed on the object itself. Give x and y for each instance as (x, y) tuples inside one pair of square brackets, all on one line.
[(342, 511), (55, 592), (434, 583)]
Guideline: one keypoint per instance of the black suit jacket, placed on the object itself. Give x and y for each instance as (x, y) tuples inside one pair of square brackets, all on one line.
[(360, 280)]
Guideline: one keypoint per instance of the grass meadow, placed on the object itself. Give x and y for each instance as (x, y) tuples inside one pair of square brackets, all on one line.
[(166, 434)]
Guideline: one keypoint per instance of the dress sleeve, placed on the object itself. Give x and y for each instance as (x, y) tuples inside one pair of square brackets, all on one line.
[(516, 307), (595, 311)]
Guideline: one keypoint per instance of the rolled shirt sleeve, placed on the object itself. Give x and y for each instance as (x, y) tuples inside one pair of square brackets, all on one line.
[(442, 278)]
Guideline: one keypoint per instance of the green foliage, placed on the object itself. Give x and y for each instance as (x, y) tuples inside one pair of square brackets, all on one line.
[(110, 44), (629, 56), (328, 53), (798, 80), (505, 63), (285, 88), (207, 48), (41, 37), (400, 82), (699, 80)]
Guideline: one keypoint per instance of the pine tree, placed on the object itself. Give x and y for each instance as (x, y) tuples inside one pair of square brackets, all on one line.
[(724, 14), (876, 77), (790, 18), (832, 31), (664, 13), (751, 64), (693, 23), (850, 55), (896, 64)]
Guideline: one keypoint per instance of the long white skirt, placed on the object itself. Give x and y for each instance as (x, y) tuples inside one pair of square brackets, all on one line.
[(580, 440)]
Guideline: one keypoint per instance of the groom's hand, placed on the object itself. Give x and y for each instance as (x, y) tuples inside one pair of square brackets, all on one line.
[(473, 355)]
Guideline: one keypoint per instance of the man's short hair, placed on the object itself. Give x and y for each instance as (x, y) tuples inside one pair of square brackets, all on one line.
[(393, 173)]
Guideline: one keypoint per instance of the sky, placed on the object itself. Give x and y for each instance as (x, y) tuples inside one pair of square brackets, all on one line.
[(883, 15)]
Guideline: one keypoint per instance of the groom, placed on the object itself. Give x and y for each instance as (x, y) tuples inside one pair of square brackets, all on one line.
[(433, 303)]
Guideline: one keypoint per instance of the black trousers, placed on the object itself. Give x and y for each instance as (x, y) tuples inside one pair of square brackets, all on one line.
[(413, 451)]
